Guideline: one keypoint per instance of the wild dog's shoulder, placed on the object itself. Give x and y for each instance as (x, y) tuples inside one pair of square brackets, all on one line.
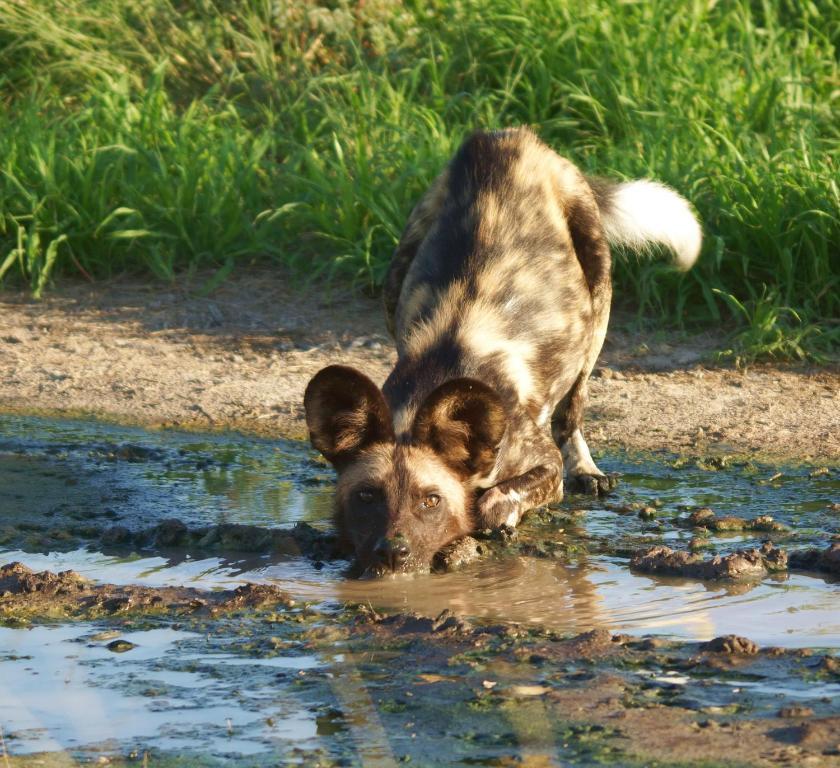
[(420, 221), (509, 159)]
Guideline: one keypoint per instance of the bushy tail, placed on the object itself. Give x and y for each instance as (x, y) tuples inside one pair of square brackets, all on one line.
[(637, 214)]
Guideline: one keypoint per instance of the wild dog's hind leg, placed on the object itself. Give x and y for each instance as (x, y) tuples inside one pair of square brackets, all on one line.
[(593, 253), (582, 472), (566, 423)]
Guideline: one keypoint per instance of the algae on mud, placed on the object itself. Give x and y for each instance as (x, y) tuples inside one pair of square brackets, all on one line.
[(326, 681)]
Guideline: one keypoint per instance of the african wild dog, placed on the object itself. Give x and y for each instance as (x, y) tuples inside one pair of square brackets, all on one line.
[(498, 296)]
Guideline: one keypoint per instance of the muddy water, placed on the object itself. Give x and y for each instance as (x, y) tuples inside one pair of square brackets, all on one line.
[(61, 478), (63, 483)]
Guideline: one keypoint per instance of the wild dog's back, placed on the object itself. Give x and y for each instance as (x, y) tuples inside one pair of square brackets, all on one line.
[(494, 270)]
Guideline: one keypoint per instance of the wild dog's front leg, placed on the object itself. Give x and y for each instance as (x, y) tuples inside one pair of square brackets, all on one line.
[(505, 503)]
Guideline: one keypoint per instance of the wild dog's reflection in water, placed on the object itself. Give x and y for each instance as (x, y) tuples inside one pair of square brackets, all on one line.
[(517, 589), (567, 597)]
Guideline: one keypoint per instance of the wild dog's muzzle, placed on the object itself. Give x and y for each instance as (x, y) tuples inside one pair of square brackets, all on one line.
[(392, 552)]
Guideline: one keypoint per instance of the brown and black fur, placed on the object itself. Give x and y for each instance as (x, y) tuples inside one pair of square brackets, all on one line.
[(498, 297)]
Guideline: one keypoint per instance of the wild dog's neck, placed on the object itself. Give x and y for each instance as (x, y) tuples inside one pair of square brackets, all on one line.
[(415, 378)]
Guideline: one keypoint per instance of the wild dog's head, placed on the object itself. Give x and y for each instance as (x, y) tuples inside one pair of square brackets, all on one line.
[(401, 498)]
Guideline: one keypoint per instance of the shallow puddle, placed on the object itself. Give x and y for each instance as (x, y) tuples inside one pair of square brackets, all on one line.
[(61, 688), (63, 483)]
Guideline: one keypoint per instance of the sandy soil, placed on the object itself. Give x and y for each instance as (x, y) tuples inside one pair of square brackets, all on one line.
[(240, 358)]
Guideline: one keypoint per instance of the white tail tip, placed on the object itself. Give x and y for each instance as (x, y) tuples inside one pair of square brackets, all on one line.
[(639, 213)]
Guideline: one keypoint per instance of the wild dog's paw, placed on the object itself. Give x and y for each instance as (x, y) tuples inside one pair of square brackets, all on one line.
[(593, 485), (499, 506)]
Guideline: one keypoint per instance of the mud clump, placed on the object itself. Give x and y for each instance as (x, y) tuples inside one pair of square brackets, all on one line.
[(731, 644), (462, 552), (743, 564), (821, 560), (819, 733), (26, 594), (413, 623), (17, 579), (796, 711), (590, 645), (706, 518), (303, 539)]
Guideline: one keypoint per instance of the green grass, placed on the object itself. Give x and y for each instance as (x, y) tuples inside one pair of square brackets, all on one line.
[(158, 137)]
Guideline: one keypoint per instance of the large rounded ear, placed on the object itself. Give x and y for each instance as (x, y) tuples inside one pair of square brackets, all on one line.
[(345, 413), (463, 421)]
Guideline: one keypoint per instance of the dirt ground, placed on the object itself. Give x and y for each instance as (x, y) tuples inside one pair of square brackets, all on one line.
[(157, 355)]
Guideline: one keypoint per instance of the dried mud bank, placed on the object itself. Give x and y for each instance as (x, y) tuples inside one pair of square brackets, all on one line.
[(240, 360)]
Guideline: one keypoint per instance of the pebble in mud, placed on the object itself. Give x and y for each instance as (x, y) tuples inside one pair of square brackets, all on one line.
[(120, 646)]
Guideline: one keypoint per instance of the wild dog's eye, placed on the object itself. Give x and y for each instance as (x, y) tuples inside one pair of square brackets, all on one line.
[(366, 495), (431, 501)]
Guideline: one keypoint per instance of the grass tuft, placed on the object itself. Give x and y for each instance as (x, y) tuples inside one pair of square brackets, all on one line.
[(158, 137)]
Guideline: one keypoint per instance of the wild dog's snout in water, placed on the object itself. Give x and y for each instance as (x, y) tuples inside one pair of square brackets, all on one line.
[(498, 297), (392, 552)]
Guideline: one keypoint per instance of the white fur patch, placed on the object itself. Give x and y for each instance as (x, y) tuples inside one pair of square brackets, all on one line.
[(402, 420), (577, 458), (644, 212), (484, 333)]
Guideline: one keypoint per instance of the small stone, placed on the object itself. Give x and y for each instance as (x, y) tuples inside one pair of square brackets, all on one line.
[(120, 646)]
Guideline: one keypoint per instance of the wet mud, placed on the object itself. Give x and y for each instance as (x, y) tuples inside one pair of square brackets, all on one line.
[(185, 594), (302, 539), (26, 595), (742, 564), (441, 690), (822, 560)]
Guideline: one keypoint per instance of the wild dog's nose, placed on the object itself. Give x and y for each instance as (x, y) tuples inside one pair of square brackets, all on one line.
[(392, 552)]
